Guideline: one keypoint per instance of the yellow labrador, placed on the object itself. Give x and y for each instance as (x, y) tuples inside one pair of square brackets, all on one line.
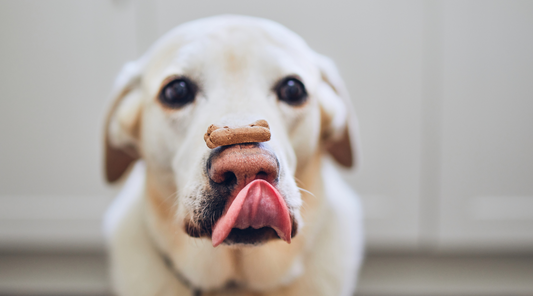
[(249, 214)]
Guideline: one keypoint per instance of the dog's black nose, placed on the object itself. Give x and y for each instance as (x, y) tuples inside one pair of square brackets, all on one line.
[(240, 164)]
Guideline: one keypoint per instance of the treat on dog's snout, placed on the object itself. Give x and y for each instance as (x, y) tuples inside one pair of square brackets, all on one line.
[(217, 136)]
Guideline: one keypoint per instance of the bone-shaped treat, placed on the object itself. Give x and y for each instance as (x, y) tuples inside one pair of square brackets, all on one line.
[(216, 136)]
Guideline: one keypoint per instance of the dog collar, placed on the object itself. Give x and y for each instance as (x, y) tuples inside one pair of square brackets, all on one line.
[(195, 291)]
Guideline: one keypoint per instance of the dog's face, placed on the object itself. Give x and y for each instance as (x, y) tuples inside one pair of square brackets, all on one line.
[(229, 71)]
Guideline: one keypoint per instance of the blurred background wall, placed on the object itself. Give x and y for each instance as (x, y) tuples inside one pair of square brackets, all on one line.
[(443, 91)]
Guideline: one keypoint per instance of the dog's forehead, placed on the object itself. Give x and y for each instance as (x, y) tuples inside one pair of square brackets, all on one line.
[(235, 29), (230, 45)]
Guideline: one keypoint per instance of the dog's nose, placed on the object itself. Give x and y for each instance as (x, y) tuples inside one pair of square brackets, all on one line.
[(241, 164)]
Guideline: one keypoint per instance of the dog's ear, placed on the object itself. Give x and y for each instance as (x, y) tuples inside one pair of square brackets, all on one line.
[(339, 125), (122, 125)]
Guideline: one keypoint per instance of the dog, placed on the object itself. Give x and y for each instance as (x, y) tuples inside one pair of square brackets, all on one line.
[(229, 128)]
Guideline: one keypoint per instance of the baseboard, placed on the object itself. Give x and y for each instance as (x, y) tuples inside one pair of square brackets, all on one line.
[(446, 275), (79, 274), (53, 274)]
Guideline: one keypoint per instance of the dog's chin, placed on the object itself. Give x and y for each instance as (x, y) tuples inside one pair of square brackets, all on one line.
[(250, 236), (240, 237)]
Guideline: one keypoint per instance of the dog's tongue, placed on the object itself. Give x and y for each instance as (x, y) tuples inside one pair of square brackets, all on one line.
[(257, 205)]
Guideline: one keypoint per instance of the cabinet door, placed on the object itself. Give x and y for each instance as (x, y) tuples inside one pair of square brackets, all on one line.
[(58, 60), (486, 197), (384, 71)]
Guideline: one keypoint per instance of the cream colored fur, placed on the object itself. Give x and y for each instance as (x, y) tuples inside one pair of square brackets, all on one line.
[(236, 61)]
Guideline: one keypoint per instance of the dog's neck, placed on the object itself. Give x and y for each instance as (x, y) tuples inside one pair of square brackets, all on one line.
[(209, 268)]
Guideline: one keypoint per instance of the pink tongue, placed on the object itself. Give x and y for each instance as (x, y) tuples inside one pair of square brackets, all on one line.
[(257, 205)]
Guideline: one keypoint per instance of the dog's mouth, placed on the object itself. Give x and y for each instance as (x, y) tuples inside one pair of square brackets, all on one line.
[(256, 215), (250, 236), (242, 205), (252, 215)]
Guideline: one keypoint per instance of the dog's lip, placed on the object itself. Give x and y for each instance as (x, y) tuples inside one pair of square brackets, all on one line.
[(257, 205)]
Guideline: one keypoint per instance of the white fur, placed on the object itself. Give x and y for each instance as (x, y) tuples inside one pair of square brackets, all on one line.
[(236, 60)]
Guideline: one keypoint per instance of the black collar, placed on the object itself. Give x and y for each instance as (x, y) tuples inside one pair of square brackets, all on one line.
[(195, 291)]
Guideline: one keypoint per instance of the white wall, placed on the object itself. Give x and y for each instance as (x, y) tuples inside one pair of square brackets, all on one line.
[(486, 195), (442, 90), (58, 60)]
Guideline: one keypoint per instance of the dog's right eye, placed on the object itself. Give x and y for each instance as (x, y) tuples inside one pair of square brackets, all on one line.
[(177, 93), (292, 91)]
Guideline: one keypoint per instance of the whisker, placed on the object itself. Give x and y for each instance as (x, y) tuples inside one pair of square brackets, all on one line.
[(299, 182), (306, 191)]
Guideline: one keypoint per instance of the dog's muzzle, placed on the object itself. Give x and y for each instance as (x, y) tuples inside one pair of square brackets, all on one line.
[(243, 179), (255, 207)]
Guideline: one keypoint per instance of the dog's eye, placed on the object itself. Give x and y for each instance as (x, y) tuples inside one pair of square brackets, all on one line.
[(292, 91), (177, 93)]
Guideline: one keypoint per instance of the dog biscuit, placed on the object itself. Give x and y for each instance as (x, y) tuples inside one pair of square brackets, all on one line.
[(216, 136)]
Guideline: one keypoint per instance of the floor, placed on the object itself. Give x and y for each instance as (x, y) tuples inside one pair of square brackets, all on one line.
[(382, 275)]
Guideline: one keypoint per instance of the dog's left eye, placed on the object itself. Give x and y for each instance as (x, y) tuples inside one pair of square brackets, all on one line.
[(177, 93), (292, 91)]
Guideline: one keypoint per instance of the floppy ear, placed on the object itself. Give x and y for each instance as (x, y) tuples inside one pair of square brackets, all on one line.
[(339, 125), (122, 124)]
